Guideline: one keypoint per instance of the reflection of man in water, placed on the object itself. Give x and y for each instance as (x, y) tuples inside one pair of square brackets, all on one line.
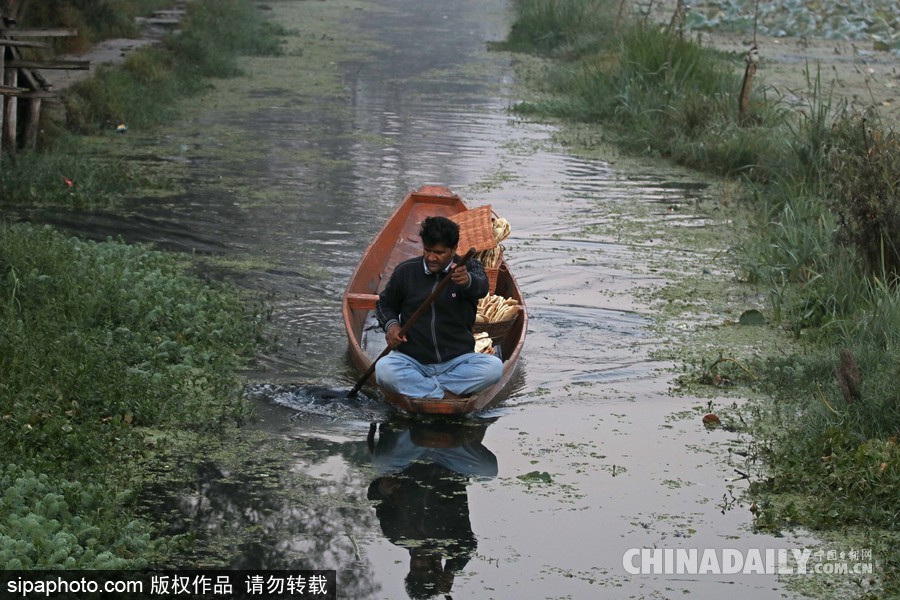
[(423, 504)]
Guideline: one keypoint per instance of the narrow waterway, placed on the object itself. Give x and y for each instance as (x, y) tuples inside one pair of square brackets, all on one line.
[(291, 171)]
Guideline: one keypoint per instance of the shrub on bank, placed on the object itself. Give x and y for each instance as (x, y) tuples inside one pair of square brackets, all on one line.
[(143, 92), (865, 191)]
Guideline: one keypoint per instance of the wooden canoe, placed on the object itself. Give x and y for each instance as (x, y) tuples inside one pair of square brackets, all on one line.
[(396, 242)]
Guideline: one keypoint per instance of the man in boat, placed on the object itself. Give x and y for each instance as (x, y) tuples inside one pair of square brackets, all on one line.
[(436, 358)]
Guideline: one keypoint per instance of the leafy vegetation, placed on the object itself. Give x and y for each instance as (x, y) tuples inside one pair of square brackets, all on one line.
[(99, 342), (822, 185), (64, 524)]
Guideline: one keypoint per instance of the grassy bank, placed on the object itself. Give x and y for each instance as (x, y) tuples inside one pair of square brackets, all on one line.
[(113, 358), (144, 92), (821, 185), (94, 21), (102, 347)]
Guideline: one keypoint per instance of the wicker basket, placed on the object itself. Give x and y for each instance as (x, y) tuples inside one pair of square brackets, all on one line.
[(475, 229), (496, 330), (492, 275)]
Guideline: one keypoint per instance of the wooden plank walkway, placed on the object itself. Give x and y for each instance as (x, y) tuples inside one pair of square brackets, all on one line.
[(26, 81), (22, 88)]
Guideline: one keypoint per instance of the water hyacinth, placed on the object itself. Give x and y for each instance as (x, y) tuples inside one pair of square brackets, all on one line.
[(871, 20), (97, 341)]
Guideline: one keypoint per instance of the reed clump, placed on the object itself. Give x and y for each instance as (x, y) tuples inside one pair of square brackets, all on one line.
[(864, 181), (565, 27)]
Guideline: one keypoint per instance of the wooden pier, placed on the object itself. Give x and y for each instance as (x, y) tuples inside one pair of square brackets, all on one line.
[(22, 87)]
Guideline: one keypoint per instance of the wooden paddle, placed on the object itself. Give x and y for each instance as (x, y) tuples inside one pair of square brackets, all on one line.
[(409, 322)]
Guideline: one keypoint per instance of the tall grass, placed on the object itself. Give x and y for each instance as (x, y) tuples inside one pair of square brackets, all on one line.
[(69, 176), (570, 27), (668, 96)]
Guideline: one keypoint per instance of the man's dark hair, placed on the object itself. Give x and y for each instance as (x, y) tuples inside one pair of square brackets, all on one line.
[(439, 230)]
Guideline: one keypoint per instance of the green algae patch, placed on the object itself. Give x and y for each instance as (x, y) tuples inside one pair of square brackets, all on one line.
[(536, 477)]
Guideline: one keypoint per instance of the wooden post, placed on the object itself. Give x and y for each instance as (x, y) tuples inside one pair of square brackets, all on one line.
[(752, 60), (9, 112), (2, 97), (14, 66), (23, 6), (619, 17), (32, 123), (677, 19)]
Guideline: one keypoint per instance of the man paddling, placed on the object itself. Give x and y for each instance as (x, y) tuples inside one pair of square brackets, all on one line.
[(436, 357)]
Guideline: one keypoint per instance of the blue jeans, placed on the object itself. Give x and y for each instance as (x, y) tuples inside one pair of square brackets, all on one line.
[(463, 375)]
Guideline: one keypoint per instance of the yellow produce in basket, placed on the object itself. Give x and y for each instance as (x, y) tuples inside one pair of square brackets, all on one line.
[(491, 258), (483, 343), (494, 309)]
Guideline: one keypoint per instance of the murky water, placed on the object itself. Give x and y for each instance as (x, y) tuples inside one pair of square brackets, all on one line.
[(589, 456)]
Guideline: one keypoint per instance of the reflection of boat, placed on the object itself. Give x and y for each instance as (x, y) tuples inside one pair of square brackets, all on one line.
[(422, 503), (397, 241), (453, 445)]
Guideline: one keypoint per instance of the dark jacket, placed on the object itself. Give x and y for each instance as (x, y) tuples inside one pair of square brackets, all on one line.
[(444, 331)]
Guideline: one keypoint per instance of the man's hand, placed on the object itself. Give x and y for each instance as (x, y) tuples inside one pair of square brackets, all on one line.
[(392, 336), (460, 276)]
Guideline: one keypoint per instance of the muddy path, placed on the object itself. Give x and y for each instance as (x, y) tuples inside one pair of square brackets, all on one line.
[(288, 173)]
